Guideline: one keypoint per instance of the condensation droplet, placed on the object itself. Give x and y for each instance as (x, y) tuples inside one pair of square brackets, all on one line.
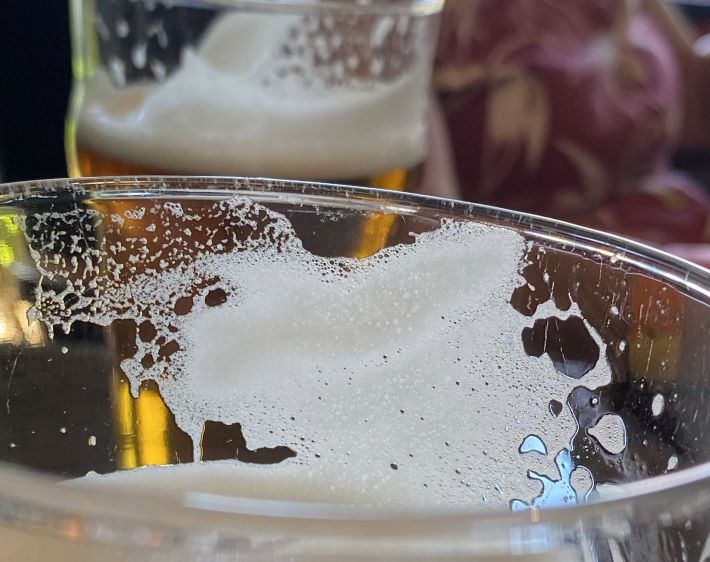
[(101, 28), (658, 404), (376, 66), (139, 55), (122, 28), (158, 69), (672, 462), (352, 61), (117, 69), (92, 441), (381, 30)]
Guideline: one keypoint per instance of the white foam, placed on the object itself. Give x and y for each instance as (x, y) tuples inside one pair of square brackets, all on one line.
[(216, 115), (287, 481), (402, 372), (610, 432)]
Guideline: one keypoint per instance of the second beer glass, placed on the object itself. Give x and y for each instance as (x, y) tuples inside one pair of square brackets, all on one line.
[(313, 90)]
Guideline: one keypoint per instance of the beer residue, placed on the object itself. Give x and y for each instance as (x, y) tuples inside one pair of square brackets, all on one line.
[(411, 358)]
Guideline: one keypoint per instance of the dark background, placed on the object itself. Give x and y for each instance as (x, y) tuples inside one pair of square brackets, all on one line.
[(35, 79)]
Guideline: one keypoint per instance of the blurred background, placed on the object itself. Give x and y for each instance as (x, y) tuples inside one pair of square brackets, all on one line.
[(594, 111), (35, 80)]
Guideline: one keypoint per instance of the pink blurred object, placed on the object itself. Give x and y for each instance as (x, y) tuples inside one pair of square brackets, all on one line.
[(568, 109), (667, 210), (696, 253)]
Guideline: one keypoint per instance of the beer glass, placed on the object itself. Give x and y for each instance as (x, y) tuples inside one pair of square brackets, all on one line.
[(330, 90), (197, 369)]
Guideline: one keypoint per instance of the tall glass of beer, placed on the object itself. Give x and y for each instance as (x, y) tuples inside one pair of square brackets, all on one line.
[(330, 90), (191, 371)]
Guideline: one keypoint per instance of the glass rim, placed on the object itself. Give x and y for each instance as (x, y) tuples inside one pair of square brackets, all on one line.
[(693, 278), (375, 7), (201, 510)]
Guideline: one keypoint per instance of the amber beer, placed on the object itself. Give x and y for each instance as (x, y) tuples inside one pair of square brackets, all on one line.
[(90, 163)]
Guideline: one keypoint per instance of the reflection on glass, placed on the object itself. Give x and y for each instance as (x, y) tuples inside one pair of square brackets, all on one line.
[(15, 327)]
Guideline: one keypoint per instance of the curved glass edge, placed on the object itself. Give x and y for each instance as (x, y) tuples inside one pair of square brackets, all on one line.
[(38, 502), (378, 7), (687, 487), (617, 250)]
